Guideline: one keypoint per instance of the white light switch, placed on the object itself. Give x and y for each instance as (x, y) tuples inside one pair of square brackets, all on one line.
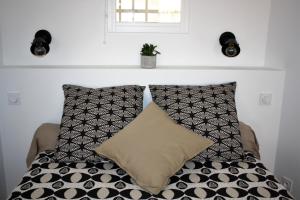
[(14, 98), (265, 99)]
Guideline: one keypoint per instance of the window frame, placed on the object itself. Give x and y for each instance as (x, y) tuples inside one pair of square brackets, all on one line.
[(147, 27)]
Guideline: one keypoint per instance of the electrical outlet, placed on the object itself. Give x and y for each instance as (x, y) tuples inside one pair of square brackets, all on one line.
[(265, 99), (14, 98), (287, 183)]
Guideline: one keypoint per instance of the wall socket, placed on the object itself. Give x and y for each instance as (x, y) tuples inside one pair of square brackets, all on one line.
[(287, 183), (14, 98), (265, 99)]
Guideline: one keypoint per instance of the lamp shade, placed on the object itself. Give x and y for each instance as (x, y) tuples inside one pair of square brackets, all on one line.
[(40, 45), (230, 46)]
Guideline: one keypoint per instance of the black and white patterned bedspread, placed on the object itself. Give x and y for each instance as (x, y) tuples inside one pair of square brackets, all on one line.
[(211, 180)]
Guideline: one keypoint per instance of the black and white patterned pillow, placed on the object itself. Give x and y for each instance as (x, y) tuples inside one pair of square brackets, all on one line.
[(91, 116), (207, 110)]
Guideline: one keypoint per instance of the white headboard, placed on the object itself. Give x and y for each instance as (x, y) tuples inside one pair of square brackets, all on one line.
[(42, 101)]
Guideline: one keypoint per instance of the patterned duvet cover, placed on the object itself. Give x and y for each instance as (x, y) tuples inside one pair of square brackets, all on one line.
[(105, 180)]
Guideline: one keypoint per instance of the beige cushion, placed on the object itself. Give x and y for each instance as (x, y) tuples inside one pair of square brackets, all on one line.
[(153, 148), (45, 138), (249, 140)]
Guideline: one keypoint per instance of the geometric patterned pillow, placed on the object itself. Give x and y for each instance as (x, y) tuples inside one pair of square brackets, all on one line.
[(206, 110), (91, 116)]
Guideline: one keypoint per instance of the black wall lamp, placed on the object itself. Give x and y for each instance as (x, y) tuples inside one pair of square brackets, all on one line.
[(40, 44), (230, 47)]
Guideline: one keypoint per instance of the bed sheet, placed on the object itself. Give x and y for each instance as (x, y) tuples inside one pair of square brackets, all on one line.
[(210, 180)]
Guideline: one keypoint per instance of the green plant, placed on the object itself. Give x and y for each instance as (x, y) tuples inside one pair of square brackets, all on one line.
[(149, 50)]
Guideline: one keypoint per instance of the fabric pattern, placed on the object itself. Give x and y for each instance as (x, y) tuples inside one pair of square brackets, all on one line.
[(207, 110), (91, 116), (88, 181)]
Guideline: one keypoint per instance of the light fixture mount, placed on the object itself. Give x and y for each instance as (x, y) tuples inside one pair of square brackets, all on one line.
[(230, 46), (40, 44)]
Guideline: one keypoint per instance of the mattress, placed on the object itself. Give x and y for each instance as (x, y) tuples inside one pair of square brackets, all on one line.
[(105, 180)]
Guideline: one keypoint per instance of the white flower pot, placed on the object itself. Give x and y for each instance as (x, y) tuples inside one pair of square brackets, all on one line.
[(148, 62)]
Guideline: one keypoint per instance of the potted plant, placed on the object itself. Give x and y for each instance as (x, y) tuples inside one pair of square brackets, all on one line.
[(148, 56)]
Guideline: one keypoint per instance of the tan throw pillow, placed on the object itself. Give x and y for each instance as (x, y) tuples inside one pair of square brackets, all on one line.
[(153, 148), (249, 140), (45, 138)]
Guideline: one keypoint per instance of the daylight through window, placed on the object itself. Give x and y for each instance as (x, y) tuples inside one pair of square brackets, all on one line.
[(148, 11)]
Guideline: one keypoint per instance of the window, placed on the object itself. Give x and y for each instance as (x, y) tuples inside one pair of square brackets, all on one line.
[(149, 11), (147, 16)]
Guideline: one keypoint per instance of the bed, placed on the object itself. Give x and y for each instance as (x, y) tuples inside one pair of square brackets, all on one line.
[(245, 178), (105, 180)]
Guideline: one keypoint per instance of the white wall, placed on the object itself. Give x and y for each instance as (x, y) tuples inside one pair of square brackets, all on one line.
[(2, 176), (283, 48), (280, 33), (288, 158), (77, 27)]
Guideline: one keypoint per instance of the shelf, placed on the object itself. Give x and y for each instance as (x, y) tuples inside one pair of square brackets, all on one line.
[(130, 67)]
